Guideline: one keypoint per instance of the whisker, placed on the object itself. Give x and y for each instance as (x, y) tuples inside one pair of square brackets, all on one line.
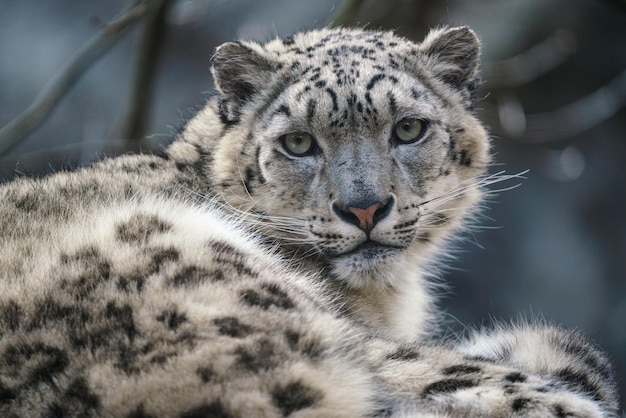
[(481, 182)]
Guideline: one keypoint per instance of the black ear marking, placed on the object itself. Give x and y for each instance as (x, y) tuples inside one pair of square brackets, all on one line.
[(239, 73)]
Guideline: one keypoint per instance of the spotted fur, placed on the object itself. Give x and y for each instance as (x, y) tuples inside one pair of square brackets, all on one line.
[(233, 277)]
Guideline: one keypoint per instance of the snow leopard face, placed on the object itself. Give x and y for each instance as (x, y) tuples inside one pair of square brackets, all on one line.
[(355, 147)]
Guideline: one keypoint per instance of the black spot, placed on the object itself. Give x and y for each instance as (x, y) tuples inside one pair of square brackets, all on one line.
[(28, 203), (510, 388), (515, 377), (283, 108), (49, 310), (228, 255), (212, 410), (579, 381), (375, 79), (520, 404), (161, 256), (78, 391), (292, 337), (559, 412), (205, 374), (464, 159), (461, 369), (93, 270), (45, 362), (447, 386), (86, 254), (231, 326), (6, 394), (270, 295), (90, 271), (579, 348), (320, 84), (260, 356), (132, 282), (416, 95), (480, 358), (172, 318), (404, 353), (10, 316), (140, 227), (294, 397), (121, 319), (309, 347), (192, 276), (217, 276), (288, 41)]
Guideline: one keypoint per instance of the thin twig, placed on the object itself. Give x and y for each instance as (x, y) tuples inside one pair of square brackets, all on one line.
[(135, 114), (56, 88)]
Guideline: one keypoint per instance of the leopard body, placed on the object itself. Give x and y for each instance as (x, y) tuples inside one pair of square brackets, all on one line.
[(274, 261)]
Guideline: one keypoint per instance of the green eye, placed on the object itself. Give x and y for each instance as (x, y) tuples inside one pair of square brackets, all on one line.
[(409, 130), (298, 144)]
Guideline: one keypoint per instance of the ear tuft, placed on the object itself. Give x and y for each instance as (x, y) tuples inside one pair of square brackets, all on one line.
[(453, 55), (239, 73)]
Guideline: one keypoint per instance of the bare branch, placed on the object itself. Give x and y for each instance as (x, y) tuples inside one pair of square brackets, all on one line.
[(132, 126), (56, 88)]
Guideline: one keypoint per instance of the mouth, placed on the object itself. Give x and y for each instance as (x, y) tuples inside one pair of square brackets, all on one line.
[(371, 250)]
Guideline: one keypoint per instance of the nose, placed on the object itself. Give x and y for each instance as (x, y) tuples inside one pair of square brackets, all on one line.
[(364, 215)]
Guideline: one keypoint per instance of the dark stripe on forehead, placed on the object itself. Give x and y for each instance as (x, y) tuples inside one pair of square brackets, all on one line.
[(282, 85), (333, 97), (310, 109), (393, 107)]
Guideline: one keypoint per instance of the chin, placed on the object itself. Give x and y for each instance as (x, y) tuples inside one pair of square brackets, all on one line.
[(367, 267)]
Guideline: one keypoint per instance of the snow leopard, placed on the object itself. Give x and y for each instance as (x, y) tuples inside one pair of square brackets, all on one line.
[(274, 261)]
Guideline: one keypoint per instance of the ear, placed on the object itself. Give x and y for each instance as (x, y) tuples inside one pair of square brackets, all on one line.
[(239, 73), (453, 56)]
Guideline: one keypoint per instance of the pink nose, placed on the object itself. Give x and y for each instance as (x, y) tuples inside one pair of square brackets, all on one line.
[(365, 216)]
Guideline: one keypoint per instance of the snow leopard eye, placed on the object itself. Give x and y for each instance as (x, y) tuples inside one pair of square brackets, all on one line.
[(409, 130), (298, 144)]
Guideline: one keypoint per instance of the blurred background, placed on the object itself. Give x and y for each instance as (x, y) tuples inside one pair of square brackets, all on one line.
[(554, 96)]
